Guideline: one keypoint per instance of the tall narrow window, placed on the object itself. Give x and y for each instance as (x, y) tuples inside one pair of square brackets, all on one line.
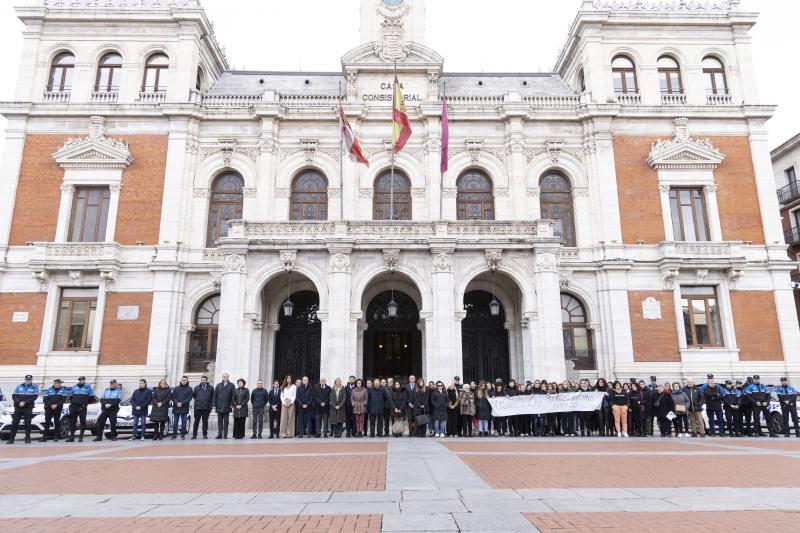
[(309, 197), (791, 175), (556, 205), (198, 82), (624, 73), (475, 200), (701, 316), (227, 201), (714, 73), (392, 199), (76, 315), (89, 214), (689, 221), (203, 342), (577, 338), (108, 73), (61, 73), (669, 76), (155, 74)]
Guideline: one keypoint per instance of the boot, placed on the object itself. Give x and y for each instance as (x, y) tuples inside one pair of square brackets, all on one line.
[(97, 438), (44, 437), (11, 437)]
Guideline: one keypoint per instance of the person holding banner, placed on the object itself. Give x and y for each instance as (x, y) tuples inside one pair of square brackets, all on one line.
[(498, 422), (553, 420), (567, 418), (513, 421), (619, 406)]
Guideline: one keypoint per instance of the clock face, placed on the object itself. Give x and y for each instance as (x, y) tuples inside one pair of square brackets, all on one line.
[(392, 3)]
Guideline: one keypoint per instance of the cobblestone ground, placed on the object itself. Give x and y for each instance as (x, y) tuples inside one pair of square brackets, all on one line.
[(402, 485)]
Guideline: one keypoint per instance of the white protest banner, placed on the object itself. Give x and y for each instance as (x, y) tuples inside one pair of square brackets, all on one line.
[(537, 404)]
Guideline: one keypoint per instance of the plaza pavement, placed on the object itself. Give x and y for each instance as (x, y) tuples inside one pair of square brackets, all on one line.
[(402, 485)]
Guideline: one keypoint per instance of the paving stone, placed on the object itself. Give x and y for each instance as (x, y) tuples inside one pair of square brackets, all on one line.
[(191, 509), (492, 522), (340, 508), (258, 509), (541, 494), (581, 505), (605, 494), (153, 499), (646, 505), (720, 504), (432, 506), (518, 506), (291, 497), (224, 497), (499, 494), (366, 496), (417, 523), (414, 495)]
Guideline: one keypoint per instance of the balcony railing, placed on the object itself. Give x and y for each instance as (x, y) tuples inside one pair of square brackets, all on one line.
[(152, 97), (789, 193), (792, 236), (583, 359), (673, 99), (55, 96), (629, 99), (105, 97), (719, 99), (567, 101), (200, 361)]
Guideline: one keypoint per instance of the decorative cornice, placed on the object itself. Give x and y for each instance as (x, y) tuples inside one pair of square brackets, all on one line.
[(95, 151), (688, 6), (682, 152), (124, 4)]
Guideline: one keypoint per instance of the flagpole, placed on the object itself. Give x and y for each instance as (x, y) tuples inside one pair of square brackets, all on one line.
[(341, 158), (391, 185)]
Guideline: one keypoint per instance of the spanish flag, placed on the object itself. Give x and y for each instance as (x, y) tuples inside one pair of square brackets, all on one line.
[(402, 127)]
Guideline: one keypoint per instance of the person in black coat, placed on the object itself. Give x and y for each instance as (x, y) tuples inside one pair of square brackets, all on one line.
[(223, 401), (203, 400), (397, 407), (322, 401), (259, 398), (662, 404), (713, 396), (159, 412), (305, 408), (53, 401), (421, 407), (376, 395), (140, 403), (241, 397), (275, 409), (452, 410), (181, 398), (483, 409), (439, 409), (350, 420)]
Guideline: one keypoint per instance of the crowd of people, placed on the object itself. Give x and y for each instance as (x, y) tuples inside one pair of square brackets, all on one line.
[(384, 407)]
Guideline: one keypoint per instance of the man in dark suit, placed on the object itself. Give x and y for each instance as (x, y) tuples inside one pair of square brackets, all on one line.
[(305, 406), (223, 400), (350, 420), (203, 400), (412, 424), (322, 400), (275, 409)]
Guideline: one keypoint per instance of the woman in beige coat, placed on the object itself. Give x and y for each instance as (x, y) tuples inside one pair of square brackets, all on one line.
[(288, 395), (466, 402), (358, 397)]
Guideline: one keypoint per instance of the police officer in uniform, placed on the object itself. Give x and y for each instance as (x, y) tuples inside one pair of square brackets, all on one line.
[(788, 397), (109, 407), (54, 399), (731, 400), (24, 396), (79, 399), (713, 397), (760, 398), (745, 411)]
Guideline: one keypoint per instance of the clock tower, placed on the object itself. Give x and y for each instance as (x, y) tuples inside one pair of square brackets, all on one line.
[(392, 23)]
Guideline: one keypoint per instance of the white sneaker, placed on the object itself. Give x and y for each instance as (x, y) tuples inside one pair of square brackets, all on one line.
[(625, 435), (619, 435)]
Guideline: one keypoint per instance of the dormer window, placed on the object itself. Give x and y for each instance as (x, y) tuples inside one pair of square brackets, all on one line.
[(61, 72)]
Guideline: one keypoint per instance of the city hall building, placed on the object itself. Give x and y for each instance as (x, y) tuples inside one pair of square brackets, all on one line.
[(163, 214)]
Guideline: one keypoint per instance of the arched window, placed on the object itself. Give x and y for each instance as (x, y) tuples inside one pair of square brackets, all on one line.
[(203, 341), (390, 199), (108, 73), (155, 74), (624, 72), (227, 199), (581, 81), (577, 338), (669, 76), (475, 200), (714, 73), (309, 197), (556, 205), (61, 71), (198, 81)]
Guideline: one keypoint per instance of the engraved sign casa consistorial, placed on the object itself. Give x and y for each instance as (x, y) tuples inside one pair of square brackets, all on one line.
[(382, 93), (651, 309)]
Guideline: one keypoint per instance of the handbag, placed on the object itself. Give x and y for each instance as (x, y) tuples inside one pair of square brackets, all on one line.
[(422, 420), (399, 426), (680, 409)]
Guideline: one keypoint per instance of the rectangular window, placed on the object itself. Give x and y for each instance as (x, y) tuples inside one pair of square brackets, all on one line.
[(689, 221), (76, 316), (89, 214), (791, 175), (701, 317), (796, 215)]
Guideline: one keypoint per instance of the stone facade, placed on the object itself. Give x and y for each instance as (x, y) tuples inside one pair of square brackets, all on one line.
[(159, 153), (786, 163)]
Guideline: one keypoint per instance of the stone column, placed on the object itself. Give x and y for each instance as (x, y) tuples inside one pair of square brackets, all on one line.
[(518, 165), (174, 186), (616, 343), (265, 190), (9, 169), (442, 338), (64, 210), (604, 182), (231, 353), (433, 150), (113, 209), (548, 361), (340, 357)]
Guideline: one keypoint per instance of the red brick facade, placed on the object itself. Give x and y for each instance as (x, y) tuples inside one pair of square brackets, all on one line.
[(19, 341), (653, 340), (125, 342), (756, 321)]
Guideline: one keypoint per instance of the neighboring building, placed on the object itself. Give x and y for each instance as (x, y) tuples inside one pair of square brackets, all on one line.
[(161, 208), (786, 164)]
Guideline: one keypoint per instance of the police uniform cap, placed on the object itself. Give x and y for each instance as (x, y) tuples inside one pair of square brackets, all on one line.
[(728, 382), (710, 376), (784, 379), (82, 378), (28, 376), (113, 382), (756, 376), (57, 381), (738, 382)]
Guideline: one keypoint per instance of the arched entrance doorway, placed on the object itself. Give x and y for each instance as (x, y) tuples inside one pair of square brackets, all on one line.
[(392, 345), (484, 340), (299, 338)]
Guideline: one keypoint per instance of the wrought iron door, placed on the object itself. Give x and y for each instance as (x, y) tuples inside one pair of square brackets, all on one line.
[(299, 340), (484, 340)]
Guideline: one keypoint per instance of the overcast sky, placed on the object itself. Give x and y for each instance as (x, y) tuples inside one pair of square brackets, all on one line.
[(472, 35)]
